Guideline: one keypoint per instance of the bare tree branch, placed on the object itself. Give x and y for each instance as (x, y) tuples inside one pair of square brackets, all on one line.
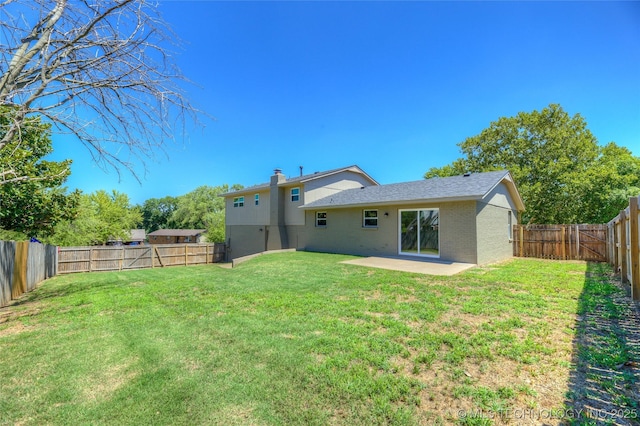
[(100, 70), (16, 178)]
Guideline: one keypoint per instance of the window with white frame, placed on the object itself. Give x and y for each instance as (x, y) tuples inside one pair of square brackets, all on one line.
[(321, 219), (295, 194), (238, 202), (256, 199), (370, 218), (510, 224)]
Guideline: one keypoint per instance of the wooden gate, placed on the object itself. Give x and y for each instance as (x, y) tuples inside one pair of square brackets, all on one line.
[(564, 242)]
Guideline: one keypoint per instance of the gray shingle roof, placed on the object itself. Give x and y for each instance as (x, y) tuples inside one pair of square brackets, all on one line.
[(296, 179), (471, 187)]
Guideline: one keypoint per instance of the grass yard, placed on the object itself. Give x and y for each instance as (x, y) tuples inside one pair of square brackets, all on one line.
[(299, 338)]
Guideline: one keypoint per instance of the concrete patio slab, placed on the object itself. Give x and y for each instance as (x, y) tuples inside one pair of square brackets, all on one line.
[(416, 265)]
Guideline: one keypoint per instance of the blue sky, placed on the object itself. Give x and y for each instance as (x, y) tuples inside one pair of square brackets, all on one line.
[(390, 86)]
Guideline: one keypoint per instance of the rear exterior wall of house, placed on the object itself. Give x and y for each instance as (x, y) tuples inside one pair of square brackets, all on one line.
[(344, 231), (244, 240), (469, 231), (249, 215), (495, 217)]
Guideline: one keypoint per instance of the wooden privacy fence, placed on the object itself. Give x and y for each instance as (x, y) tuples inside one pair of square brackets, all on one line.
[(563, 242), (118, 258), (23, 265), (624, 245)]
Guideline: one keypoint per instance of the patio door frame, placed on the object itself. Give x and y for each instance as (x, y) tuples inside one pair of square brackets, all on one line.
[(417, 253)]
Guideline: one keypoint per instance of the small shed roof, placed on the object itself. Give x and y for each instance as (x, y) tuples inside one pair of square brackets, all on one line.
[(134, 235), (472, 186), (177, 232)]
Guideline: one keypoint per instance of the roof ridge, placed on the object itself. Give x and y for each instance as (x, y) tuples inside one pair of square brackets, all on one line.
[(458, 187), (299, 179), (325, 172)]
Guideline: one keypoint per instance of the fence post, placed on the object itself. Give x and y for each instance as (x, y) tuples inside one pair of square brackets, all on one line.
[(635, 255), (570, 241), (7, 260), (159, 257), (619, 230), (623, 247), (521, 241), (608, 251), (614, 244), (19, 284)]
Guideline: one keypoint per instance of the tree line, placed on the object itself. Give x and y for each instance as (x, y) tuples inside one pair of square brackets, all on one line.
[(41, 207), (202, 208), (103, 216), (563, 175), (102, 71)]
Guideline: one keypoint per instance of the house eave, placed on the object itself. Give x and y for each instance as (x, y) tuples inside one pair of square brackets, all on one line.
[(353, 168), (507, 179), (417, 201), (251, 190), (297, 181)]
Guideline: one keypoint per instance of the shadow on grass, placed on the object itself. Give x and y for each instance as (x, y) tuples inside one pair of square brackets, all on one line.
[(49, 288), (604, 386)]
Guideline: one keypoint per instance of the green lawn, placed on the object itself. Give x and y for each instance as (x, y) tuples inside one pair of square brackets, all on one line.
[(291, 338)]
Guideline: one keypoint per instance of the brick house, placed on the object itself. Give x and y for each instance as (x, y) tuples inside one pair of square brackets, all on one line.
[(467, 218)]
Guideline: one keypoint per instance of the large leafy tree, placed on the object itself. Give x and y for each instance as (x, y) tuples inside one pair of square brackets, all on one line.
[(116, 215), (32, 200), (99, 70), (562, 173), (609, 183), (157, 212), (102, 216), (77, 232), (203, 208)]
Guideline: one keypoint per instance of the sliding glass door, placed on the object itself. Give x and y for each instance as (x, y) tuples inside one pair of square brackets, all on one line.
[(419, 232)]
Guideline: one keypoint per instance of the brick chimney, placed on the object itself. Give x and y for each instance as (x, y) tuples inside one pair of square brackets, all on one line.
[(277, 177), (277, 231)]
